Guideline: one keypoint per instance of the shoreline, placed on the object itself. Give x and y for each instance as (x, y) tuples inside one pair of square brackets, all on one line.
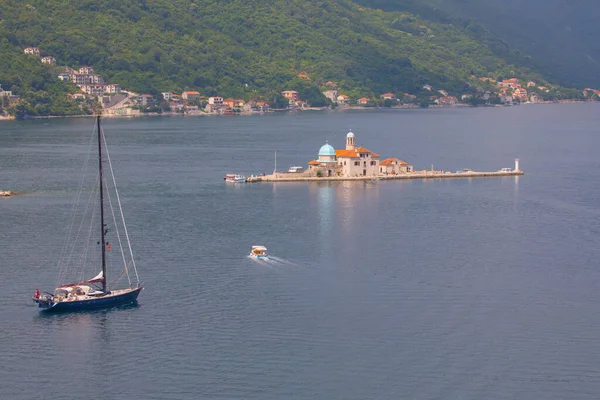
[(285, 177), (274, 111)]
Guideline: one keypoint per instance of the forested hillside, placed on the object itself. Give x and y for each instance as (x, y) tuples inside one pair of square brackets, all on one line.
[(245, 48), (561, 35)]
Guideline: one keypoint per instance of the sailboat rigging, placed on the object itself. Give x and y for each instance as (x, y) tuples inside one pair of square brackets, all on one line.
[(95, 292)]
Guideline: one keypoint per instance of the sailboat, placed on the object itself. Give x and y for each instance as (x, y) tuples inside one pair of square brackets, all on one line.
[(96, 292)]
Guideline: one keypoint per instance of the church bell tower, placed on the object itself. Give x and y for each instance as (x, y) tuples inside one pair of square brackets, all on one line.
[(350, 141)]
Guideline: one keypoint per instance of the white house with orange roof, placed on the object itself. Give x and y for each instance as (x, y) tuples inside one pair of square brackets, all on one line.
[(351, 161), (190, 95), (342, 99), (363, 101), (394, 166)]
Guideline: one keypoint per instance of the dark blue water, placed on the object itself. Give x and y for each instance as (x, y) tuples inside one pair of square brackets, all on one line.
[(451, 289)]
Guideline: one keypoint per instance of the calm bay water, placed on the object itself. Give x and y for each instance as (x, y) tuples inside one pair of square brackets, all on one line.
[(466, 289)]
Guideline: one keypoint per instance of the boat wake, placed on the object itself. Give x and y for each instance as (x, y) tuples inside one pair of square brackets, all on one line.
[(278, 260), (273, 261)]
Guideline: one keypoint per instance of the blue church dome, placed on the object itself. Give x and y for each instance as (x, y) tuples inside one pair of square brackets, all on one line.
[(350, 134), (327, 150)]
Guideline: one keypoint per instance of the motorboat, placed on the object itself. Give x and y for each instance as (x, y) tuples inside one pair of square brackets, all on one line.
[(295, 170), (235, 178), (259, 252)]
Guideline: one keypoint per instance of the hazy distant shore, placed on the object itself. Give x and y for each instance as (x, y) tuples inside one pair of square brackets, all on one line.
[(346, 108)]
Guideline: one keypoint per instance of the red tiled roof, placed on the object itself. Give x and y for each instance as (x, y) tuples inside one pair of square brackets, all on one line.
[(354, 153), (314, 162), (389, 161)]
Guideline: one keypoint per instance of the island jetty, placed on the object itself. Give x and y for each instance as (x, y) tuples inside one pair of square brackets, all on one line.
[(361, 164)]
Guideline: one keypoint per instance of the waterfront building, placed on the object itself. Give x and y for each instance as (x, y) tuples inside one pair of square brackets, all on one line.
[(349, 162), (216, 101), (145, 100), (342, 99), (331, 95), (229, 102), (190, 95), (394, 166), (291, 95), (520, 93)]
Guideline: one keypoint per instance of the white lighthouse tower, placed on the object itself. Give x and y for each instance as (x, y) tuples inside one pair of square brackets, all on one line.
[(517, 164)]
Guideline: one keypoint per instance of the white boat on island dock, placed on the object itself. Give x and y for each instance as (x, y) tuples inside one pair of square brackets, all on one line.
[(235, 178)]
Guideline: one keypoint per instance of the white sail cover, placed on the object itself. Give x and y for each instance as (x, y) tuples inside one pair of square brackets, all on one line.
[(97, 279), (99, 276)]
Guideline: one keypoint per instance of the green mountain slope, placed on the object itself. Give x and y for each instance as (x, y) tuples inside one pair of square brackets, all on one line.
[(560, 34), (242, 48)]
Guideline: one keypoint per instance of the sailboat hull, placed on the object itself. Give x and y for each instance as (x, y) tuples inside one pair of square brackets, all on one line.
[(121, 297)]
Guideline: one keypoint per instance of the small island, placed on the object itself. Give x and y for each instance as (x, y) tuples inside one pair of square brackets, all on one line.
[(359, 163)]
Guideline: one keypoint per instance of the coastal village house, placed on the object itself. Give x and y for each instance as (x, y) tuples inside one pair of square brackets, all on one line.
[(352, 161), (342, 99), (49, 60), (331, 95), (190, 95), (363, 101), (291, 95), (145, 100), (520, 93), (215, 101), (5, 92), (32, 50), (394, 166)]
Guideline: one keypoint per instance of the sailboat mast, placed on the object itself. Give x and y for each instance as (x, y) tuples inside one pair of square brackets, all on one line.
[(103, 240)]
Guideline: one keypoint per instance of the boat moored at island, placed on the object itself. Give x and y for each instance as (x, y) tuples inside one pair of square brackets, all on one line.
[(234, 178), (259, 252)]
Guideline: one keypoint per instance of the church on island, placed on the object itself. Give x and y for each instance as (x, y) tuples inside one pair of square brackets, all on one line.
[(354, 161)]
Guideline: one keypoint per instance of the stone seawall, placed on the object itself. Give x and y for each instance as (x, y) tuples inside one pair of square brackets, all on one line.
[(289, 177)]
